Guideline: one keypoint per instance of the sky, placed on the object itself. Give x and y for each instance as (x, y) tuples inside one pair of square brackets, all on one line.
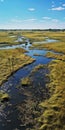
[(32, 14)]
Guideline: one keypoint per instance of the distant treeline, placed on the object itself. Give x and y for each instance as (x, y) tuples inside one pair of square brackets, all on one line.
[(53, 30)]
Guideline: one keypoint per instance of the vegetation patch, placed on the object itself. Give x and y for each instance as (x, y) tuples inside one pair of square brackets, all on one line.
[(38, 67), (4, 96), (25, 81), (12, 60), (5, 38), (56, 56), (34, 36), (44, 105), (54, 108), (56, 46), (35, 54), (11, 38), (35, 91)]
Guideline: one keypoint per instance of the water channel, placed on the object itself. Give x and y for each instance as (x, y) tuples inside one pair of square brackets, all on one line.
[(8, 114)]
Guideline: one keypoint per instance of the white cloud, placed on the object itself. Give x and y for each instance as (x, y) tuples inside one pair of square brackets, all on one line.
[(30, 20), (24, 20), (33, 25), (50, 20), (46, 18), (31, 9), (55, 20), (58, 8)]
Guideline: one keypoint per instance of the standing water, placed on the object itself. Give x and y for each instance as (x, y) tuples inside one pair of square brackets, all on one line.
[(8, 110)]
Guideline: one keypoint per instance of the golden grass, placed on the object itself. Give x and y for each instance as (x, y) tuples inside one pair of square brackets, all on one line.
[(10, 37), (55, 35), (56, 46), (3, 96), (53, 117), (34, 36), (12, 60), (40, 66), (56, 56), (5, 37), (25, 81), (41, 35)]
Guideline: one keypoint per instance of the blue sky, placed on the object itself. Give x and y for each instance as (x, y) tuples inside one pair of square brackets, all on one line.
[(32, 14)]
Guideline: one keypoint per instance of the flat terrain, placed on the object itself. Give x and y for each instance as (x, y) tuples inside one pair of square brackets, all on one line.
[(12, 60), (54, 108), (44, 87)]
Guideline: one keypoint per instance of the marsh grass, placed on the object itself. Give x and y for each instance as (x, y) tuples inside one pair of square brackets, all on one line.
[(53, 116), (25, 81), (56, 56), (34, 36), (10, 38), (4, 96), (41, 35), (5, 38), (53, 107), (56, 46), (12, 60), (35, 91), (38, 67)]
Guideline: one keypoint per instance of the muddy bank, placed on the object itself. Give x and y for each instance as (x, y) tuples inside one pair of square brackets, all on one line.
[(36, 91), (12, 73), (11, 61), (22, 109)]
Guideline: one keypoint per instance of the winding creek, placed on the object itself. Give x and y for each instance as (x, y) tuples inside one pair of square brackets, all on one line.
[(8, 114)]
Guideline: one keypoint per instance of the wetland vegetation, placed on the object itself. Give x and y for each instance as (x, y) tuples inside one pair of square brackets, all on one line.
[(54, 108), (12, 60), (43, 87)]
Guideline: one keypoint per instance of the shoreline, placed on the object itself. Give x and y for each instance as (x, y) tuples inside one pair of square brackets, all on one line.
[(16, 71)]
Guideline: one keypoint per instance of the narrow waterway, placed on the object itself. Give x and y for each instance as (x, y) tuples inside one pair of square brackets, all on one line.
[(8, 112)]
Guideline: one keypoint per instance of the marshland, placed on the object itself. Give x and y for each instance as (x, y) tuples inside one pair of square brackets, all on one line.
[(32, 80)]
